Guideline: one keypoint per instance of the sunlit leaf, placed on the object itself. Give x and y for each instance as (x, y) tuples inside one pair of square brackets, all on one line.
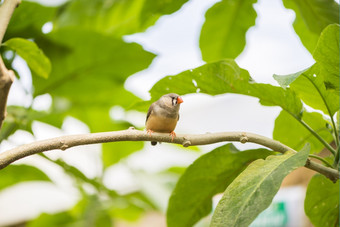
[(125, 211), (28, 19), (311, 87), (89, 74), (32, 54), (53, 220), (116, 18), (311, 18), (327, 55), (223, 34), (253, 190), (322, 201), (226, 77), (94, 66), (210, 174)]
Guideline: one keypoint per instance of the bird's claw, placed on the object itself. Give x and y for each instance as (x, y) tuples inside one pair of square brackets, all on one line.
[(173, 135), (149, 131)]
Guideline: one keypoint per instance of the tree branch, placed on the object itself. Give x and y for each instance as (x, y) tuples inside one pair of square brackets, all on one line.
[(6, 80), (65, 142), (6, 10), (6, 76)]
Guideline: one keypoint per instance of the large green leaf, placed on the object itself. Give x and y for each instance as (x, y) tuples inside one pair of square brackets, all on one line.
[(94, 66), (89, 72), (223, 34), (14, 174), (28, 19), (311, 18), (318, 86), (327, 54), (30, 52), (291, 133), (322, 201), (116, 18), (311, 88), (210, 174), (253, 190), (226, 77)]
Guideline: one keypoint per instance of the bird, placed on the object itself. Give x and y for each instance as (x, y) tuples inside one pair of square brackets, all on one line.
[(163, 115)]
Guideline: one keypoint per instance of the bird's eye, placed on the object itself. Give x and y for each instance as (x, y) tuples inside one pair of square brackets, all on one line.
[(174, 101)]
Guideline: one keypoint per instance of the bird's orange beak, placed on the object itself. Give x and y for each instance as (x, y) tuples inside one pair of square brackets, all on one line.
[(179, 100)]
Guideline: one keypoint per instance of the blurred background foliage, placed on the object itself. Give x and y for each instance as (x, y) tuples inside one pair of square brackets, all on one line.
[(77, 55)]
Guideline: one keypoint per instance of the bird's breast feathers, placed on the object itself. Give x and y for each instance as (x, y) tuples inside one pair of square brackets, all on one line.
[(158, 123)]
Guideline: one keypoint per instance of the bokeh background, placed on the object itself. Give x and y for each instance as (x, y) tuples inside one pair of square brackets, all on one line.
[(272, 47)]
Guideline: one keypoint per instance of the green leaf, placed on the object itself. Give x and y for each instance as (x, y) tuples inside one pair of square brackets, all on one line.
[(91, 212), (91, 115), (114, 152), (311, 18), (327, 55), (311, 87), (122, 210), (89, 74), (28, 19), (226, 77), (116, 18), (285, 80), (19, 117), (88, 212), (81, 178), (30, 52), (223, 34), (53, 220), (290, 132), (210, 174), (322, 201), (253, 190), (14, 174), (95, 65)]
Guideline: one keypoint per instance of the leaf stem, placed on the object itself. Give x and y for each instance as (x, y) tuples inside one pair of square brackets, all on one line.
[(321, 159), (328, 110), (336, 160), (77, 174), (327, 145)]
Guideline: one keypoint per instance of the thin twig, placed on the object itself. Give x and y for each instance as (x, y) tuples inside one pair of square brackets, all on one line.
[(65, 142), (321, 159), (327, 145)]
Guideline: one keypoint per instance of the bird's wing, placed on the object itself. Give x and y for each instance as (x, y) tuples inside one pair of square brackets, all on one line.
[(149, 111)]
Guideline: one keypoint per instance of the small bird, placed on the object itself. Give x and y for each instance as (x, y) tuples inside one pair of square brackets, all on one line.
[(163, 115)]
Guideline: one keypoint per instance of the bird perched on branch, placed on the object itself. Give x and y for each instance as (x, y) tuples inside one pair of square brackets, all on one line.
[(163, 115)]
